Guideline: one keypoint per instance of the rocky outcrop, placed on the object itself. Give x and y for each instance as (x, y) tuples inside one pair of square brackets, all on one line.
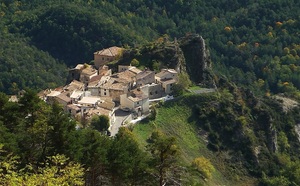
[(187, 54), (197, 57), (297, 130)]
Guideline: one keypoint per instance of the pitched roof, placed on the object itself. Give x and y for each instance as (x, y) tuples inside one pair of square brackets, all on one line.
[(144, 74), (98, 111), (137, 95), (127, 75), (109, 105), (165, 71), (112, 51), (64, 98), (95, 78), (73, 107), (89, 71), (74, 85), (53, 93)]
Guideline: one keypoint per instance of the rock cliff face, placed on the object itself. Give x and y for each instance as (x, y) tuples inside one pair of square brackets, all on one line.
[(187, 54), (197, 57), (297, 130)]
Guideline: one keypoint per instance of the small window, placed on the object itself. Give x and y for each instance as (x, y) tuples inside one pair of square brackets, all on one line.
[(107, 59), (138, 102), (103, 58), (155, 92), (104, 93), (150, 93)]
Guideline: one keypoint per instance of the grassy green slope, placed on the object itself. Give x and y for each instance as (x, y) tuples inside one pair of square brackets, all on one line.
[(176, 118)]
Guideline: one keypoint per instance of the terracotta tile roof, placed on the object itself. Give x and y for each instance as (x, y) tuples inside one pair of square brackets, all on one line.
[(112, 51), (53, 93), (64, 98), (134, 99), (98, 111), (117, 86), (127, 75), (144, 74), (109, 105), (89, 71), (165, 71), (73, 107), (74, 85), (95, 78), (137, 94), (93, 84)]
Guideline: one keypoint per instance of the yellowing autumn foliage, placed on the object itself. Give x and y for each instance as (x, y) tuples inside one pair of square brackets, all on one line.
[(228, 29), (204, 166)]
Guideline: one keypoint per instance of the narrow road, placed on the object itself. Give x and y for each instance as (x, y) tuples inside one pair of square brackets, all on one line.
[(203, 90), (120, 116)]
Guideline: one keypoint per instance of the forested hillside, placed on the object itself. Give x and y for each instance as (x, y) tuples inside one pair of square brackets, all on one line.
[(254, 44), (243, 134)]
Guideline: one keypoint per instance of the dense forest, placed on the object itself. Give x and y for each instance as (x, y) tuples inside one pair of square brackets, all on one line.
[(254, 44), (254, 47)]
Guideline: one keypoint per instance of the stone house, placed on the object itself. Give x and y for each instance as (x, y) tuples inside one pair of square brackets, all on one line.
[(155, 90), (76, 95), (133, 69), (136, 101), (74, 73), (73, 109), (167, 78), (167, 74), (74, 85), (106, 55), (145, 77), (167, 85), (63, 99), (87, 74), (114, 89)]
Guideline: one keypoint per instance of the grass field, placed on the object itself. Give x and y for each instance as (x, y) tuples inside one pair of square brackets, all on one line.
[(176, 118)]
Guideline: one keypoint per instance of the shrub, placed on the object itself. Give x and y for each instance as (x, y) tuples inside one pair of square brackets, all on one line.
[(204, 166)]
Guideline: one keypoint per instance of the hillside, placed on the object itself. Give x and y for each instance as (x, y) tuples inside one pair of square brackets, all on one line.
[(248, 129), (248, 140), (254, 44)]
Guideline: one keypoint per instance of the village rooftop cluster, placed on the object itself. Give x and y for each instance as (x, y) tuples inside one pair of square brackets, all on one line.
[(95, 90)]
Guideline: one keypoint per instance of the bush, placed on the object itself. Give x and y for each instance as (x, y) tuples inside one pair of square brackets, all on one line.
[(204, 166), (135, 62)]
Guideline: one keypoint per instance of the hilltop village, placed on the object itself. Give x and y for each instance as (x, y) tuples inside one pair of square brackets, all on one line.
[(96, 90)]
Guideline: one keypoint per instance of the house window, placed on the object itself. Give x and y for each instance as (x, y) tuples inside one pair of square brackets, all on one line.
[(104, 93), (171, 84), (138, 103), (155, 92), (103, 58), (150, 93), (107, 59)]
